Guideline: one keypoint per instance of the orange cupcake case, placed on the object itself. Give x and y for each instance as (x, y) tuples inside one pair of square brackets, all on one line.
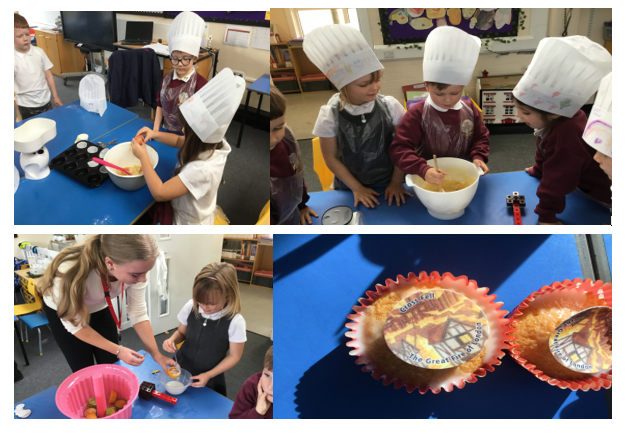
[(452, 314), (535, 318)]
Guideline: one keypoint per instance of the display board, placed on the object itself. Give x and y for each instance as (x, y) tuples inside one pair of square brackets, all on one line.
[(245, 18)]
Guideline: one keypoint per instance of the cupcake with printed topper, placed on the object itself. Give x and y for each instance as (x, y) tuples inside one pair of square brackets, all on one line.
[(428, 332), (562, 334)]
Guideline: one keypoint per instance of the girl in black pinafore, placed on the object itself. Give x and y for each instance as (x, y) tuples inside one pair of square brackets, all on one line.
[(212, 328)]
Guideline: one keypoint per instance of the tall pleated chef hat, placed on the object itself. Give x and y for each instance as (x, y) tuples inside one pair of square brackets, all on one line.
[(341, 52), (185, 33), (563, 74), (450, 56), (210, 111), (598, 132), (92, 94)]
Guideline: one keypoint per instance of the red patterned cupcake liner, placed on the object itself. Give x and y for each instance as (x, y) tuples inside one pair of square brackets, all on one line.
[(596, 381), (494, 347)]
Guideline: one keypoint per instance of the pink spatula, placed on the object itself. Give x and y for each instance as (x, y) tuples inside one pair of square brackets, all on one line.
[(110, 165)]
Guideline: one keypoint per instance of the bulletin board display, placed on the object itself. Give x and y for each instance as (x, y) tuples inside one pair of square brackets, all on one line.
[(413, 25), (244, 18)]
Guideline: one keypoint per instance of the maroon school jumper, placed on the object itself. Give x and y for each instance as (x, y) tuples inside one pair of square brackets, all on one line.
[(409, 135), (176, 83), (280, 166), (246, 401), (564, 162)]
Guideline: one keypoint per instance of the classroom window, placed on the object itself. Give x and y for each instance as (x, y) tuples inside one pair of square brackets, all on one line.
[(489, 110), (489, 97), (509, 110), (508, 97), (310, 19)]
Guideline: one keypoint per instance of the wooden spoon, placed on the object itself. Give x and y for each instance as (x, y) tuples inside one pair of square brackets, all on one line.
[(435, 161)]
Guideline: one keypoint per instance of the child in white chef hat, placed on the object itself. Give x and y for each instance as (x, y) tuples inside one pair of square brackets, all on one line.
[(184, 39), (443, 124), (562, 76), (202, 153), (356, 126), (598, 132)]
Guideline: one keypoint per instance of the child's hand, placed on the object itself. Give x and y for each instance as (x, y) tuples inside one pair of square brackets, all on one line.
[(147, 133), (396, 190), (305, 215), (139, 149), (435, 177), (551, 224), (263, 403), (57, 102), (366, 196), (200, 381), (481, 164), (169, 346)]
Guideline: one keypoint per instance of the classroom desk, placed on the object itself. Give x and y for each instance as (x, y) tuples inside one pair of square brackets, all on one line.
[(194, 403), (72, 120), (58, 199), (213, 53), (487, 207), (318, 279), (261, 86)]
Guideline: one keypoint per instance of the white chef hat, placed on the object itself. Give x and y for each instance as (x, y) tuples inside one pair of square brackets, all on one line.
[(598, 132), (563, 74), (341, 52), (450, 56), (210, 111), (92, 94), (185, 33)]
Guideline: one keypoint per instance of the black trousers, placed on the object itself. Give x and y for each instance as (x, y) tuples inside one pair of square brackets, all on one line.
[(80, 354), (28, 112)]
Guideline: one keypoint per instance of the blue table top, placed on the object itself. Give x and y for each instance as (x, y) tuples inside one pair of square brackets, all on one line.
[(58, 199), (194, 403), (262, 84), (487, 207), (608, 248), (72, 120), (318, 279)]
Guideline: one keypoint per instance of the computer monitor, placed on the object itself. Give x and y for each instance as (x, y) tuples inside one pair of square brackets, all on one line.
[(139, 30)]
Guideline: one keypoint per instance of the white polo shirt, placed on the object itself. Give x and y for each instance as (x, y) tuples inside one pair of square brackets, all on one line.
[(237, 328), (95, 299), (29, 78), (202, 178)]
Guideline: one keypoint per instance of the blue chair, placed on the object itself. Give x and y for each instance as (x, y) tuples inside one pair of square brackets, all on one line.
[(35, 321)]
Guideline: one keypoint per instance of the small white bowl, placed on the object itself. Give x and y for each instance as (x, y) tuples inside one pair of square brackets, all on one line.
[(122, 156), (185, 379), (447, 205)]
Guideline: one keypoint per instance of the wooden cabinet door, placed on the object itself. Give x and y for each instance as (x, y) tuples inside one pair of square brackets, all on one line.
[(41, 41), (69, 55), (53, 54)]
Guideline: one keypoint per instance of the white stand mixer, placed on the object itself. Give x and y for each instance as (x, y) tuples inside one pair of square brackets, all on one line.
[(29, 139)]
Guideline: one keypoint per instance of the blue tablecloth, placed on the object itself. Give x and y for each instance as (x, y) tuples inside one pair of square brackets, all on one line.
[(194, 403), (58, 199), (318, 279), (72, 120), (608, 248), (487, 207)]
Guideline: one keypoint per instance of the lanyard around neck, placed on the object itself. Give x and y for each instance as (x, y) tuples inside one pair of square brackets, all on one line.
[(117, 321)]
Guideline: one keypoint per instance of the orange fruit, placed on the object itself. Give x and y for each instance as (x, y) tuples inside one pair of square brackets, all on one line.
[(174, 372), (112, 397), (90, 411)]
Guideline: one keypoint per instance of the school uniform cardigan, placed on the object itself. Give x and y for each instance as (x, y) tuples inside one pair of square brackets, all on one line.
[(280, 166), (564, 162), (244, 406), (409, 134)]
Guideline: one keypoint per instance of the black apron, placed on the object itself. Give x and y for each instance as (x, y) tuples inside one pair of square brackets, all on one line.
[(206, 345), (287, 192), (363, 147)]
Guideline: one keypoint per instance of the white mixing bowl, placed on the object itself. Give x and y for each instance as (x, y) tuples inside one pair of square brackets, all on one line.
[(447, 205), (122, 156), (185, 379)]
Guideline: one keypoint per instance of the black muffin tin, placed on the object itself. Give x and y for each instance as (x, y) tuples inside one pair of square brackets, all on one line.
[(74, 162)]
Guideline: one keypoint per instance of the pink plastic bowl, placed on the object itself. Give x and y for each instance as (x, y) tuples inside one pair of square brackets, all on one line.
[(97, 381)]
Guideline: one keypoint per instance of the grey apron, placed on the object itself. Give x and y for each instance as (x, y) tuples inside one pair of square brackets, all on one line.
[(363, 147), (206, 345)]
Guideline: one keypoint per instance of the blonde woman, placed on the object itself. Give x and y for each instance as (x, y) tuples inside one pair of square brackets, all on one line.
[(212, 328), (77, 289)]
